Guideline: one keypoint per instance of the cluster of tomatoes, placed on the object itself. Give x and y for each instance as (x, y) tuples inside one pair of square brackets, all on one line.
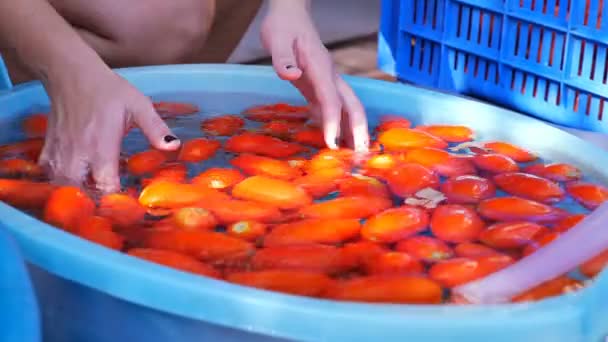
[(427, 209)]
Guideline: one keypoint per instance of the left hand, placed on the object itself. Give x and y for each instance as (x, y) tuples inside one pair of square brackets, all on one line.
[(299, 56)]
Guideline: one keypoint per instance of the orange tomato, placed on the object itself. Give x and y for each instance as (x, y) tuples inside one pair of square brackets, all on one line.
[(588, 195), (330, 231), (358, 207), (168, 108), (29, 149), (314, 258), (229, 211), (192, 218), (225, 125), (164, 194), (407, 179), (145, 162), (20, 167), (175, 260), (458, 271), (262, 144), (388, 289), (99, 230), (363, 251), (25, 194), (439, 161), (456, 223), (512, 151), (495, 163), (218, 178), (312, 137), (277, 111), (247, 229), (473, 250), (559, 172), (198, 150), (551, 288), (468, 189), (359, 185), (530, 186), (567, 223), (395, 224), (505, 235), (378, 165), (518, 209), (595, 265), (425, 248), (35, 125), (322, 182), (402, 139), (450, 133), (271, 191), (201, 244), (393, 263), (172, 172), (254, 165), (280, 129), (67, 206), (389, 121), (293, 282), (539, 242), (121, 209)]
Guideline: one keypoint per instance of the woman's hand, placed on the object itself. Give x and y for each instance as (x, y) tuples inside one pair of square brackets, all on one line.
[(91, 111), (299, 56)]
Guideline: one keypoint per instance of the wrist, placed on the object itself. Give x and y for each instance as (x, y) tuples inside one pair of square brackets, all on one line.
[(288, 5)]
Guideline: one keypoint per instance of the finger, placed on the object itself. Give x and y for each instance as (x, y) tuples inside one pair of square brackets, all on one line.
[(67, 167), (356, 116), (154, 128), (104, 165), (284, 60), (322, 81)]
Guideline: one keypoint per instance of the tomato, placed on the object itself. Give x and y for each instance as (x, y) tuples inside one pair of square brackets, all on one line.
[(388, 289), (145, 162), (262, 144), (495, 163), (312, 137), (192, 218), (456, 223), (312, 257), (458, 271), (198, 150), (551, 288), (247, 229), (450, 133), (25, 194), (507, 235), (392, 121), (168, 108), (474, 250), (293, 282), (588, 195), (67, 206), (18, 167), (395, 224), (322, 182), (175, 260), (530, 186), (425, 248), (468, 189), (512, 151), (225, 125), (35, 125), (407, 179), (99, 230), (402, 139), (164, 194), (330, 231), (359, 185), (358, 207), (518, 209), (595, 265), (229, 211), (271, 191), (218, 178), (254, 165), (559, 172), (121, 209), (393, 263)]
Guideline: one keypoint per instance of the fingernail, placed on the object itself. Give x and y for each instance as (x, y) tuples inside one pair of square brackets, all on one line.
[(289, 66), (169, 138)]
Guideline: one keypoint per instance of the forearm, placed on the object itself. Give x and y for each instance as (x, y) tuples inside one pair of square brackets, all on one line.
[(43, 40)]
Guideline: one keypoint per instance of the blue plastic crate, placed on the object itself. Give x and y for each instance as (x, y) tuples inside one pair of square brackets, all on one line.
[(546, 58)]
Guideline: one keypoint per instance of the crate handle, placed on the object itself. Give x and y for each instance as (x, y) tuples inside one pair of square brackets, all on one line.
[(543, 265), (5, 81)]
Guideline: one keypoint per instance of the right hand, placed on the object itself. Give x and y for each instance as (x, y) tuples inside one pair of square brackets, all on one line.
[(91, 111)]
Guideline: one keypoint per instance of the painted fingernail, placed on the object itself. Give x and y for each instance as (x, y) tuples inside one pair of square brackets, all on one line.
[(169, 138), (289, 66)]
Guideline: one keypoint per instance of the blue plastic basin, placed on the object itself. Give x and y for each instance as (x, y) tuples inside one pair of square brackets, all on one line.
[(19, 320), (90, 293)]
